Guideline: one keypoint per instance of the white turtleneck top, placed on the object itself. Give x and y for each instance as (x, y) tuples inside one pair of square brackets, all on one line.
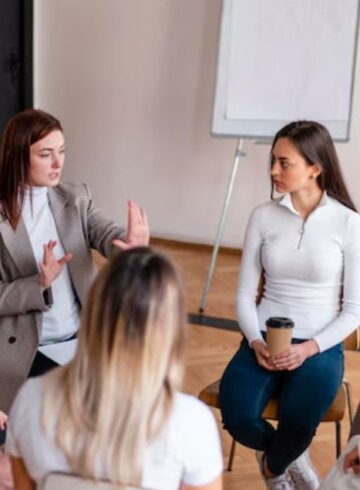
[(306, 263), (61, 321)]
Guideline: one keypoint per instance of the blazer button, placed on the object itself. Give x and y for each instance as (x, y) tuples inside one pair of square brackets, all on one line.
[(12, 340)]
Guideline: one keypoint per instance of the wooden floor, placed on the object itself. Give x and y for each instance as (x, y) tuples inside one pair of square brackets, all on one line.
[(210, 349)]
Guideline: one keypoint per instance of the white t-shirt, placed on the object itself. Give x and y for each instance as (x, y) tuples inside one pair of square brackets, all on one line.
[(306, 263), (187, 449)]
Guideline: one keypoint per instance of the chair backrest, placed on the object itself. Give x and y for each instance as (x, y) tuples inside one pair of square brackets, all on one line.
[(352, 342), (62, 481)]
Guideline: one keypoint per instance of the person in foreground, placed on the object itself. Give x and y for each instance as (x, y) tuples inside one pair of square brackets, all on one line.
[(345, 475), (307, 245), (47, 231), (115, 412)]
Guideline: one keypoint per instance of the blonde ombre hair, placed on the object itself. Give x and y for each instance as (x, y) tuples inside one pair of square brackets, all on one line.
[(108, 403)]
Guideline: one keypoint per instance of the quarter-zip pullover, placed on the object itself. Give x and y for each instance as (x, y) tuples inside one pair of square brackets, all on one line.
[(306, 265)]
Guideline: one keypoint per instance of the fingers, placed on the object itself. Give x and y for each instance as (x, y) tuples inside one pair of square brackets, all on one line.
[(264, 352), (263, 363), (263, 357), (134, 213), (48, 250), (284, 362), (138, 214), (50, 267), (64, 260), (285, 354), (144, 217), (290, 359), (260, 347), (290, 363), (138, 228), (120, 244)]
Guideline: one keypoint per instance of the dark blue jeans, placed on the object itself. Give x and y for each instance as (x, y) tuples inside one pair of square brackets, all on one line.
[(304, 396)]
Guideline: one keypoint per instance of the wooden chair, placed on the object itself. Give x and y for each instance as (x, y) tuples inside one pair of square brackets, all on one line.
[(62, 481), (335, 413), (355, 427)]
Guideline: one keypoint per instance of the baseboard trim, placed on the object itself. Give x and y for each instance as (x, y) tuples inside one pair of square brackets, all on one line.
[(165, 242), (213, 321)]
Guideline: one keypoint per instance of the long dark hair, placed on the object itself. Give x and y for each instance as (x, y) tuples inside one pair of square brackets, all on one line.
[(23, 130), (314, 143)]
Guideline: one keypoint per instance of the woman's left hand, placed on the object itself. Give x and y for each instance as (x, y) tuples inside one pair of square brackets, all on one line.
[(295, 355), (138, 228)]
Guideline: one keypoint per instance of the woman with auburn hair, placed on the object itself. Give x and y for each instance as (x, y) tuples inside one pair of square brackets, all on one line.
[(114, 412), (47, 231), (307, 244)]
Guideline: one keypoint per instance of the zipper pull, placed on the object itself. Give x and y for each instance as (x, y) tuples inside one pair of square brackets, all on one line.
[(301, 233)]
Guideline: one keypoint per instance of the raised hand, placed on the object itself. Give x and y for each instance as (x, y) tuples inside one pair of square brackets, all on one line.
[(138, 228), (50, 266)]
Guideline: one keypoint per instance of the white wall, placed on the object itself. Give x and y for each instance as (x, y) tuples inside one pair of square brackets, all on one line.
[(132, 82)]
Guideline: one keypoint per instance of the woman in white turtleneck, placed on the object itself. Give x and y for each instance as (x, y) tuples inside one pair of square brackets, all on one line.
[(47, 231), (62, 319)]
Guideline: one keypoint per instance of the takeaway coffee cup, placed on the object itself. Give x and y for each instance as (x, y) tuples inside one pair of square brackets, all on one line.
[(278, 334)]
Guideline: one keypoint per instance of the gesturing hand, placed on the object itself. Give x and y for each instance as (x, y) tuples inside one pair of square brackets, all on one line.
[(50, 266), (262, 354), (351, 461), (138, 228)]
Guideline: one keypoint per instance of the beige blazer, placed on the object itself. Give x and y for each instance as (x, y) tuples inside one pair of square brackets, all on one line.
[(81, 228)]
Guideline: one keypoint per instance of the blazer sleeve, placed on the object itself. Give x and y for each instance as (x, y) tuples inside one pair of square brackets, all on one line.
[(22, 296), (101, 231)]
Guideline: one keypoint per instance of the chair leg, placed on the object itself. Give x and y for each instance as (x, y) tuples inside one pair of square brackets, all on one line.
[(231, 455), (349, 400), (338, 438)]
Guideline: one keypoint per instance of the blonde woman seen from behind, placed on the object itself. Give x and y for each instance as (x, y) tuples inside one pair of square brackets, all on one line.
[(115, 411)]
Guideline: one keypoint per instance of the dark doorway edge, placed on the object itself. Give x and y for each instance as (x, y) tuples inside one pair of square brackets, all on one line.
[(27, 42)]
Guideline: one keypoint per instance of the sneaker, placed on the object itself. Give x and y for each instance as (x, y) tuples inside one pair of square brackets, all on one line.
[(281, 482), (303, 474)]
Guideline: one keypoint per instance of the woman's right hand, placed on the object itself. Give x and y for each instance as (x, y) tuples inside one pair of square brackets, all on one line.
[(50, 266), (262, 354)]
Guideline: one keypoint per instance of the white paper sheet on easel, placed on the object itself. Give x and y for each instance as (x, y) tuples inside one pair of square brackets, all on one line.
[(295, 64), (60, 352)]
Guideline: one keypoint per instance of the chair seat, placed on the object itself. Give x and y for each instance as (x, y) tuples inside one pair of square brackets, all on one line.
[(336, 411)]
